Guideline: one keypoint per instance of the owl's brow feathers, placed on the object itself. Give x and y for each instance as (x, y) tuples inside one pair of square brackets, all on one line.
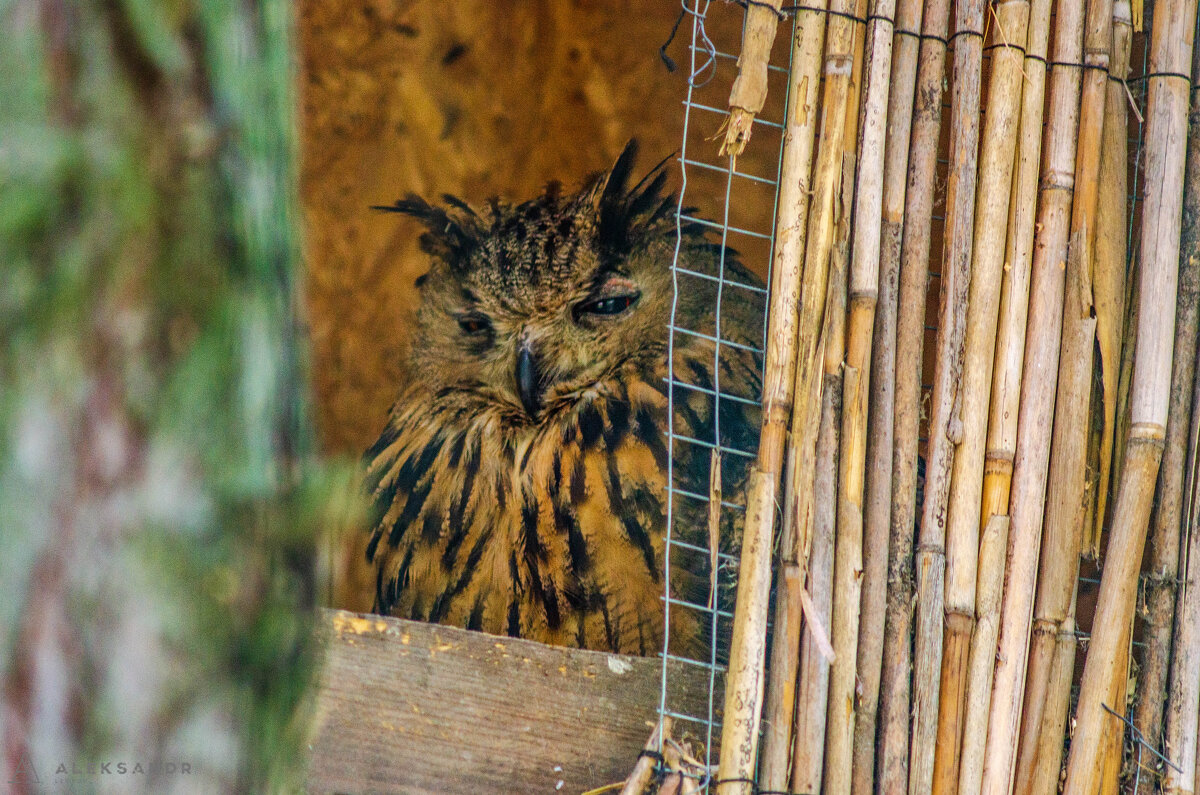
[(608, 213)]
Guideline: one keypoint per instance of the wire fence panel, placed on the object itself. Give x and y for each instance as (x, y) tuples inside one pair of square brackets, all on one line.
[(735, 201)]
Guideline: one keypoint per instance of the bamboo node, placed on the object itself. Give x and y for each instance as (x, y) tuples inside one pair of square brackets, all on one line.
[(1151, 433), (1045, 626)]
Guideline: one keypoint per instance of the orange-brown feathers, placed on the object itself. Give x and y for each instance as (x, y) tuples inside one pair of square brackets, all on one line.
[(520, 486)]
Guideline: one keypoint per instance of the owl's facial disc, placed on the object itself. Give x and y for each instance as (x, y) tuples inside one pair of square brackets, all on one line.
[(530, 309), (544, 364)]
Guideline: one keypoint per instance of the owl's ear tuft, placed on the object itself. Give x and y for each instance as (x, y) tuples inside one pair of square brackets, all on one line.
[(451, 235), (625, 213)]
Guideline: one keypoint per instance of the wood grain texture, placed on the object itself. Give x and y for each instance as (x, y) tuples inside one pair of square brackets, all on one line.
[(407, 707)]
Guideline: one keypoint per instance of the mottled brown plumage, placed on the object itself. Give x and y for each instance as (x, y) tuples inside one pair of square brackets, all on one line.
[(519, 486)]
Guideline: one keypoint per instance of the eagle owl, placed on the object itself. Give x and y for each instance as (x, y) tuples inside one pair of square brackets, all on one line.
[(520, 484)]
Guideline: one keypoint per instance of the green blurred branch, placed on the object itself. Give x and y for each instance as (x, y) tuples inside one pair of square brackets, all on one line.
[(158, 486)]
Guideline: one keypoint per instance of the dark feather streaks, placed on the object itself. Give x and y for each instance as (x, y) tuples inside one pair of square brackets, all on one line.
[(555, 531)]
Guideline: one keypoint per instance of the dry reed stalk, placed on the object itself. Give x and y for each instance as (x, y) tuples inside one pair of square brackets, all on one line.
[(1164, 572), (1183, 702), (749, 92), (1166, 140), (1110, 263), (1114, 730), (808, 757), (1014, 289), (1035, 414), (1125, 370), (878, 479), (854, 366), (792, 225), (643, 772), (945, 426), (1064, 517), (1005, 399), (825, 214), (813, 687), (1043, 747), (894, 706), (993, 544), (966, 480), (744, 678), (792, 229)]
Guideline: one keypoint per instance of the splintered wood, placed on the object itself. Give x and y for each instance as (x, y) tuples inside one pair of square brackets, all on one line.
[(749, 92)]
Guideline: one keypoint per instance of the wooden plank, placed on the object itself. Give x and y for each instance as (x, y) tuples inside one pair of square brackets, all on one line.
[(408, 707)]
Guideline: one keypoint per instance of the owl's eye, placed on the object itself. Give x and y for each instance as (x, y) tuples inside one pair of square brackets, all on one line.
[(612, 305), (474, 324)]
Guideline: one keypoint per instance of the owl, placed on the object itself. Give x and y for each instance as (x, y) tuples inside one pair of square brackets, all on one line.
[(520, 484)]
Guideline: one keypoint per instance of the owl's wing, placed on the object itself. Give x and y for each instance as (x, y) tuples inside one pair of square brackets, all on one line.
[(717, 372), (716, 391)]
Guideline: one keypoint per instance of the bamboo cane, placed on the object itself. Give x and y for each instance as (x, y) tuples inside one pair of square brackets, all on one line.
[(990, 229), (778, 397), (1063, 525), (863, 285), (808, 757), (1114, 730), (945, 425), (826, 211), (1014, 291), (878, 484), (1183, 703), (1108, 278), (749, 91), (643, 772), (1167, 107), (894, 707), (1043, 747), (813, 688), (1036, 399), (792, 225), (1005, 395), (1165, 539), (744, 698), (982, 655)]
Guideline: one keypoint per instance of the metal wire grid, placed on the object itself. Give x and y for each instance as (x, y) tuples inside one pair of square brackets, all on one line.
[(704, 60)]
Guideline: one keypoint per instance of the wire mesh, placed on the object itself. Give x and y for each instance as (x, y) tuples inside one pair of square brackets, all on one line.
[(736, 201)]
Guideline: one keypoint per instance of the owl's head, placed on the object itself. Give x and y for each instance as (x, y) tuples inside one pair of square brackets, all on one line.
[(528, 306)]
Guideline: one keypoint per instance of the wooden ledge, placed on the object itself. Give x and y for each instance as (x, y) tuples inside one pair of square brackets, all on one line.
[(410, 707)]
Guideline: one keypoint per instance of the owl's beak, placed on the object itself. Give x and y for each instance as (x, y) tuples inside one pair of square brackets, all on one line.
[(529, 379)]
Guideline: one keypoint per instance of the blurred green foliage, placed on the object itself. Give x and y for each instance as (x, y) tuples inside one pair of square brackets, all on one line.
[(154, 398)]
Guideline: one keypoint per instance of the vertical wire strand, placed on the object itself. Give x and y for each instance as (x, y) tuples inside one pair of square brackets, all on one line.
[(697, 12)]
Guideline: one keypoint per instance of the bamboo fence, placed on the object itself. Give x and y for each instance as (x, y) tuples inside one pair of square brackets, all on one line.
[(930, 644)]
